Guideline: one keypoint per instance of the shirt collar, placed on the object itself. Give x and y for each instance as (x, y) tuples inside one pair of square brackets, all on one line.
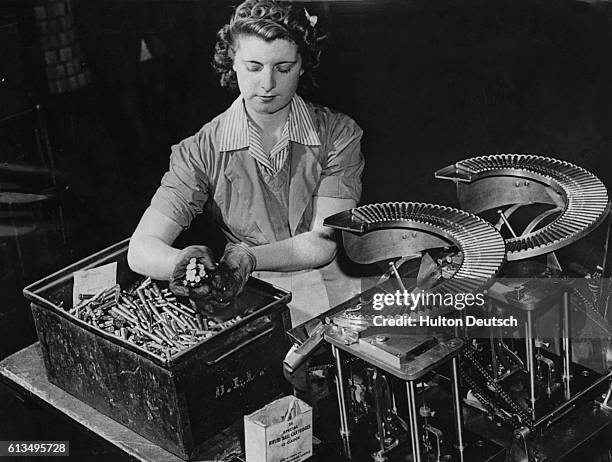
[(235, 129)]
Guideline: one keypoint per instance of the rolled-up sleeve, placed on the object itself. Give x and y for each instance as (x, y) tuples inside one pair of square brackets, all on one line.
[(184, 188), (343, 166)]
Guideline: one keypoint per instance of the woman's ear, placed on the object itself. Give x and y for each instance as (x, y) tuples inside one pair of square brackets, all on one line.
[(232, 55), (301, 72)]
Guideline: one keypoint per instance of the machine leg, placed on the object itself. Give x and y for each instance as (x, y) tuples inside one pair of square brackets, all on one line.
[(344, 427), (530, 362), (414, 423), (567, 345), (457, 406)]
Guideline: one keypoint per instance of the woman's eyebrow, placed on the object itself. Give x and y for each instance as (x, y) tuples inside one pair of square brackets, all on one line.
[(252, 61)]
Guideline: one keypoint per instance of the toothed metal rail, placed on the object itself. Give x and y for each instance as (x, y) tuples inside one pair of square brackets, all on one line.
[(377, 232), (490, 182)]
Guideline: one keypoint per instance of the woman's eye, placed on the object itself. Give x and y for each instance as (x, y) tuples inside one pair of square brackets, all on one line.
[(253, 67), (285, 69)]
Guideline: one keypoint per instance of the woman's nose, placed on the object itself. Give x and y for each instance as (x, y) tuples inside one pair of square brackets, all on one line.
[(267, 80)]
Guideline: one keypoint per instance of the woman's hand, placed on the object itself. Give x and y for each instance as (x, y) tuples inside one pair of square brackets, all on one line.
[(235, 267), (201, 254)]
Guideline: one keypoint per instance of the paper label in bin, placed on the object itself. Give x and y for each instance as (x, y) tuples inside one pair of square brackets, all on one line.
[(279, 432), (93, 281)]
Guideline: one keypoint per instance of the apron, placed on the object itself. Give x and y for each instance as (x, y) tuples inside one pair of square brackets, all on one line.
[(313, 291)]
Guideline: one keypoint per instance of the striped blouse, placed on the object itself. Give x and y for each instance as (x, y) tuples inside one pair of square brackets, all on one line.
[(223, 171)]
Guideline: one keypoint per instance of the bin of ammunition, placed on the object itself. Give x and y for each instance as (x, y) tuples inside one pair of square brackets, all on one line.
[(151, 362)]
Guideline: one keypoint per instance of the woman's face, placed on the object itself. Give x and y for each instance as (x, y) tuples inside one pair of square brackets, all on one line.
[(267, 72)]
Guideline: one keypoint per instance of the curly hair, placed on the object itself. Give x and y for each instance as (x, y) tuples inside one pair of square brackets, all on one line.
[(269, 20)]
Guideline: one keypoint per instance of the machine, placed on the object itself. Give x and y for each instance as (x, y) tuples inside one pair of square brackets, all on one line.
[(415, 380)]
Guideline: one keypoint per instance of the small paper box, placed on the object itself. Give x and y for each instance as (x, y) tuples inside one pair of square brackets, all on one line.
[(279, 432)]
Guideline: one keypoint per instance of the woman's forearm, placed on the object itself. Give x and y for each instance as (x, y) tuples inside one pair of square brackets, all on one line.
[(312, 249), (151, 252), (304, 251), (150, 256)]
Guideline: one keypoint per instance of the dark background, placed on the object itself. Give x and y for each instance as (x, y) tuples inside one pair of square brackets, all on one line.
[(430, 83)]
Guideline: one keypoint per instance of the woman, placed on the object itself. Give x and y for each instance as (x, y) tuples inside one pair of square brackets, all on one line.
[(268, 170)]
